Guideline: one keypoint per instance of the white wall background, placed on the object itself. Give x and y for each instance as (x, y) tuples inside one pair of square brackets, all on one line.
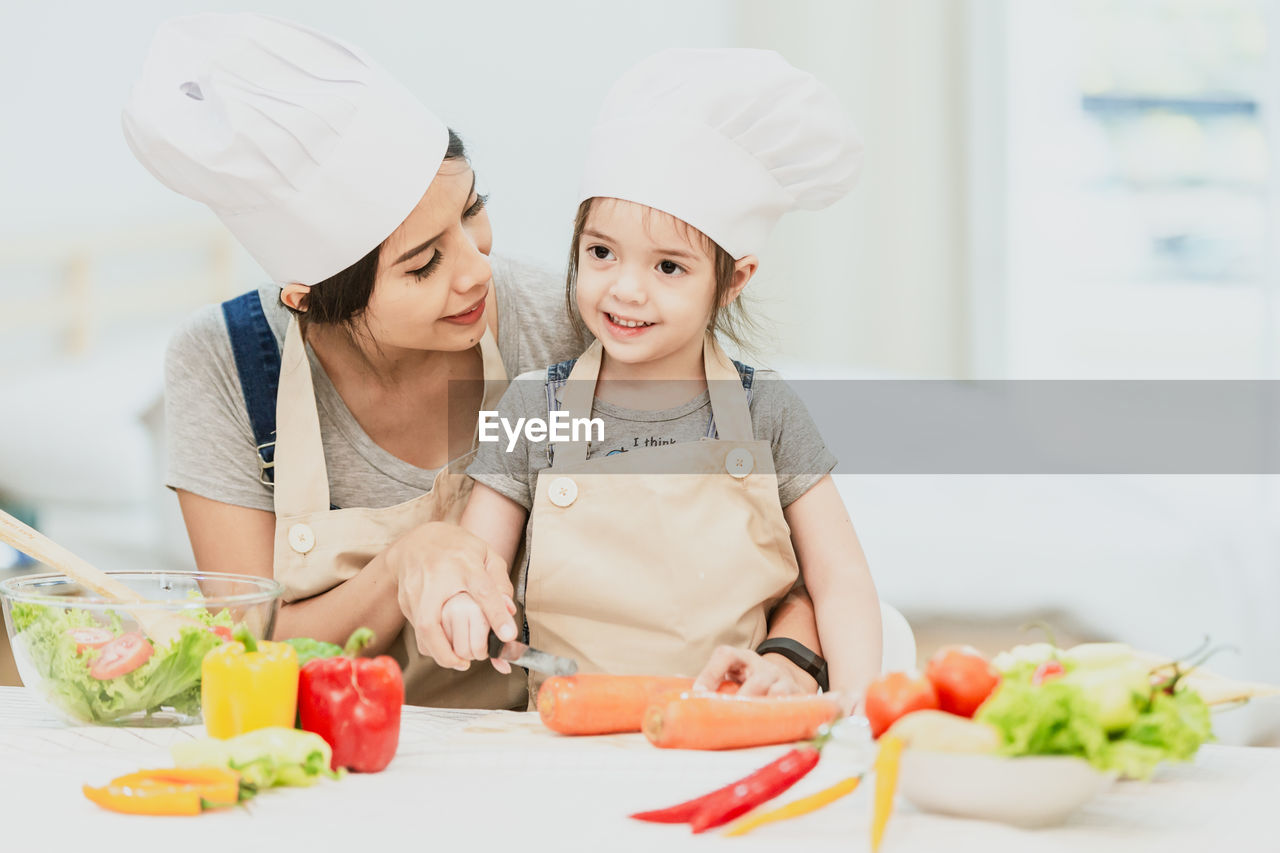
[(874, 281)]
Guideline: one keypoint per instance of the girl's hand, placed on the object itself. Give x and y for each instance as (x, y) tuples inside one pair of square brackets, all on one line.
[(433, 563), (759, 675), (467, 631)]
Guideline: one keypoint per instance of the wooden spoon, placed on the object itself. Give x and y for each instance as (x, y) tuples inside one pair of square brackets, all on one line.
[(161, 626)]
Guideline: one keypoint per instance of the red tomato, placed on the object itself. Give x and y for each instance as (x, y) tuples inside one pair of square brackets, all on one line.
[(963, 679), (1047, 671), (896, 695), (121, 656), (90, 638), (222, 631)]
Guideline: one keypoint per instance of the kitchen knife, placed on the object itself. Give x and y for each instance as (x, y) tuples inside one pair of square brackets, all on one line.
[(521, 655)]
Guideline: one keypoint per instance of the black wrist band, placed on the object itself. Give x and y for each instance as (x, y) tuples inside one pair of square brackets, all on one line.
[(802, 656)]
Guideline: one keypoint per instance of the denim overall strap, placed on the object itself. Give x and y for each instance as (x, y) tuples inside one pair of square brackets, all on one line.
[(257, 356)]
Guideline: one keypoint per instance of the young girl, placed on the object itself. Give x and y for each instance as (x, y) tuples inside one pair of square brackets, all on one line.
[(708, 496)]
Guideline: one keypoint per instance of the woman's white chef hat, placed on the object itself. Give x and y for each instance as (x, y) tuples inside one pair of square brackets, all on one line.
[(727, 140), (305, 148)]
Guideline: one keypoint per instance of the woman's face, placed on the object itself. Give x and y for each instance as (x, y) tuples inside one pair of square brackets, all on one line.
[(433, 271)]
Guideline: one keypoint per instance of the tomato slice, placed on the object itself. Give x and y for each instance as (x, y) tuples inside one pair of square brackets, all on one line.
[(1047, 671), (90, 637), (222, 631), (121, 656)]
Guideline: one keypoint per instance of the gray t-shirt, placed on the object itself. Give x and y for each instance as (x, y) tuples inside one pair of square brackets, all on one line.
[(211, 451), (800, 456)]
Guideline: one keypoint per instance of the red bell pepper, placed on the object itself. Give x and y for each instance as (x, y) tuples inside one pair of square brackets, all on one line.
[(354, 704)]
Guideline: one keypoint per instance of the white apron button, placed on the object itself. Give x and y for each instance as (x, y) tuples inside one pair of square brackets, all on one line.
[(301, 538), (562, 491), (739, 463)]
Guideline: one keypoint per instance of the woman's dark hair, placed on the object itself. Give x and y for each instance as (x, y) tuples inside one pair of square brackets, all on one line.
[(730, 322), (342, 297)]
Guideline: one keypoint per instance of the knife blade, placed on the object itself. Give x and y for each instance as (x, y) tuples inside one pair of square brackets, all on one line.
[(521, 655)]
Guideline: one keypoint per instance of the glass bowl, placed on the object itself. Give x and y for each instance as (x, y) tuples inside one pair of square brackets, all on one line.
[(90, 660)]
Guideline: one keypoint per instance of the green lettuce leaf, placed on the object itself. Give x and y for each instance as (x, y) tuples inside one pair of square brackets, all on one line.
[(1176, 725), (309, 649), (1048, 719), (170, 678), (1062, 717)]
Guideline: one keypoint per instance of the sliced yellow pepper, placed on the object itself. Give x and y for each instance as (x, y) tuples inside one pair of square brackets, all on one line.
[(796, 808), (185, 791), (886, 786), (247, 685)]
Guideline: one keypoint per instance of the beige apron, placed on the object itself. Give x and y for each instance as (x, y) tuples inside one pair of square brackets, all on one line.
[(636, 572), (317, 548)]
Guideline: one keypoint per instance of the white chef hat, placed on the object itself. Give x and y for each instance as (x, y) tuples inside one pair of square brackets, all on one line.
[(727, 140), (308, 151)]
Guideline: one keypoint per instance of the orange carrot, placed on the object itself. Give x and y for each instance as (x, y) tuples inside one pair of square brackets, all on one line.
[(598, 704), (713, 721)]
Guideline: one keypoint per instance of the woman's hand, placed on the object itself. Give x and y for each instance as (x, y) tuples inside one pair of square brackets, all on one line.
[(431, 565), (759, 675)]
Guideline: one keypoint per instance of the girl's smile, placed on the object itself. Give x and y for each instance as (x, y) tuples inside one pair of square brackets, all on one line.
[(623, 327)]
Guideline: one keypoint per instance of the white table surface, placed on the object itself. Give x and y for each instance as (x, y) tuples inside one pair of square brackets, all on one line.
[(473, 780)]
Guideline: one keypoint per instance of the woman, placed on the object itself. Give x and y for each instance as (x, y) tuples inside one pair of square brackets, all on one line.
[(390, 328)]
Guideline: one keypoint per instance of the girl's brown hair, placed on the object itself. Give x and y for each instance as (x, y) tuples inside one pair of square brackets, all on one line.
[(727, 321)]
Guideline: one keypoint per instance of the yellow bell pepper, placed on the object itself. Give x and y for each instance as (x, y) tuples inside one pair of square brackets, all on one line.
[(169, 791), (245, 685)]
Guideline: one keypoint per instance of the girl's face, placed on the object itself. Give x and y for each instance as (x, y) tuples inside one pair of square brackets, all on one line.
[(645, 285), (433, 271)]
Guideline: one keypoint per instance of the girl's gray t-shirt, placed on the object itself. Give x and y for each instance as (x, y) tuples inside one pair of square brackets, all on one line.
[(210, 446), (510, 465)]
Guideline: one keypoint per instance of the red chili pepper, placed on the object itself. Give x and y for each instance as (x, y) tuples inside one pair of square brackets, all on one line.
[(683, 812), (737, 798), (354, 704)]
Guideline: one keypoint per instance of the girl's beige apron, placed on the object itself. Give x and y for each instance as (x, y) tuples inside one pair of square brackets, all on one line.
[(317, 548), (638, 570)]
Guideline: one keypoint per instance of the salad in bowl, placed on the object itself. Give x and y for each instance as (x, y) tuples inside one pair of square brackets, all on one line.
[(1032, 735), (91, 660)]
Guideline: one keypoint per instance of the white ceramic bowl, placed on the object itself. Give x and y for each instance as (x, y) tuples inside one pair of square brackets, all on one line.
[(1033, 791)]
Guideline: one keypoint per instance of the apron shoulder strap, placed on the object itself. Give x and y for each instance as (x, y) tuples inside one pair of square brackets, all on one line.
[(746, 375), (257, 357), (730, 392)]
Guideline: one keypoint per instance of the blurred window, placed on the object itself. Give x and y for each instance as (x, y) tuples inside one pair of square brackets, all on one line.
[(1142, 188)]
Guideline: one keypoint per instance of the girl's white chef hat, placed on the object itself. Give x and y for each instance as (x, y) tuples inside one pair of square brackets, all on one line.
[(727, 140), (305, 148)]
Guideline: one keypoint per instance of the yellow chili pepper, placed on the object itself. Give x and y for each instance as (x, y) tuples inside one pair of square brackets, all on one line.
[(796, 808), (247, 685), (886, 785), (181, 791)]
